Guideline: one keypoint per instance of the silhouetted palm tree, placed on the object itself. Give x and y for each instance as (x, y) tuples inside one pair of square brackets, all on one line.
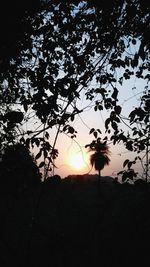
[(100, 156)]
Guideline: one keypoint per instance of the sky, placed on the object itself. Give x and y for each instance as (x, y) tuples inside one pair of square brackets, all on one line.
[(74, 158)]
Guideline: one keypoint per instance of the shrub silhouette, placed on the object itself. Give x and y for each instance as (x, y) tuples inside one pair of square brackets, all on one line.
[(18, 168)]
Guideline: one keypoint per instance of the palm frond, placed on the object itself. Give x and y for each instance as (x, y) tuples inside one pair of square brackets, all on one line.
[(100, 157)]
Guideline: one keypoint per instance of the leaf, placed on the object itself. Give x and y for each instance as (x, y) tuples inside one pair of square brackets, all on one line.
[(41, 164), (114, 125), (133, 41), (147, 76), (135, 132), (25, 106), (38, 155), (95, 134), (91, 131), (114, 138), (46, 135), (115, 93), (98, 130), (132, 115), (65, 128), (129, 145), (129, 164), (107, 122), (72, 117), (37, 142), (71, 130), (95, 108), (125, 163), (100, 107), (118, 109)]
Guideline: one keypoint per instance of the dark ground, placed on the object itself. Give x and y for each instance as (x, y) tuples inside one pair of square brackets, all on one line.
[(76, 225)]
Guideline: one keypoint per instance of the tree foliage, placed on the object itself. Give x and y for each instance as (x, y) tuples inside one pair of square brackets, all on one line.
[(60, 48)]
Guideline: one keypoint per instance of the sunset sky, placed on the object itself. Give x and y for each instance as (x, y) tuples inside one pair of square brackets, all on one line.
[(53, 75), (73, 157)]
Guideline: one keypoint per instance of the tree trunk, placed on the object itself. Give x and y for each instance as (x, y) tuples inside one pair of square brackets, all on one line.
[(99, 181)]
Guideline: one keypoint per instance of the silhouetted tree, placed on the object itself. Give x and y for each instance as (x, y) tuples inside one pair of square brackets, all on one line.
[(100, 156), (56, 179), (57, 48), (18, 168), (137, 140), (16, 30)]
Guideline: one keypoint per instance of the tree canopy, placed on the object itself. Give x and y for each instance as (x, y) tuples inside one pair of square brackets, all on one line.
[(18, 169), (57, 48)]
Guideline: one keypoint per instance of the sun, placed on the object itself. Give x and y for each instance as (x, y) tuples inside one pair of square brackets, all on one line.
[(77, 162)]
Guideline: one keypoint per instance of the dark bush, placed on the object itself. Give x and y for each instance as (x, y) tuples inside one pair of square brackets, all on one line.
[(18, 170)]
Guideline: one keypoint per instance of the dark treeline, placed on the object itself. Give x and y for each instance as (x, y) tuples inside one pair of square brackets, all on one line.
[(72, 224)]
